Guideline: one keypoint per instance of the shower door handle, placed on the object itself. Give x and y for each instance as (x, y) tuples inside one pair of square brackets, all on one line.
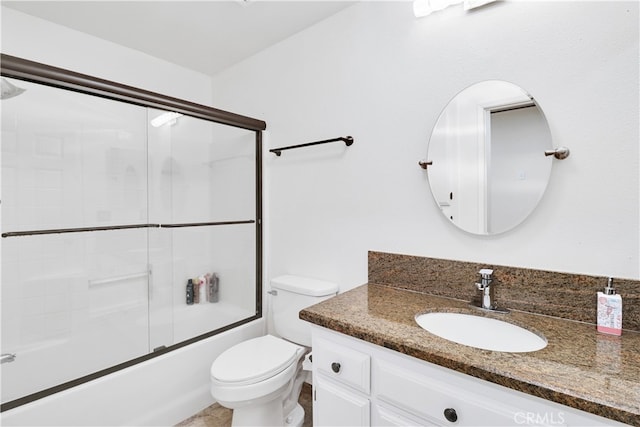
[(7, 357), (150, 282)]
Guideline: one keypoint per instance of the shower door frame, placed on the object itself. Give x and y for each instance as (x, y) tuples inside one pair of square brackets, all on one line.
[(11, 66)]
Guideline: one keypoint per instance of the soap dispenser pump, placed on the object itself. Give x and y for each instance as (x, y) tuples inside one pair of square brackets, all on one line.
[(610, 310)]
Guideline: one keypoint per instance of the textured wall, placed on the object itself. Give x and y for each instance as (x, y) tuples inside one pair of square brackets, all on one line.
[(377, 73)]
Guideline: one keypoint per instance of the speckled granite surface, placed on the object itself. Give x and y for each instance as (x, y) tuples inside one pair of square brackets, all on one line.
[(579, 367), (570, 296)]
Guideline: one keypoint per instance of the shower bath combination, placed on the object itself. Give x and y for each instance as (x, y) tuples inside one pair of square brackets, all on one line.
[(98, 234)]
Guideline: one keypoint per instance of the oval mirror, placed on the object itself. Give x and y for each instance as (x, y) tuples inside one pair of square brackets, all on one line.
[(487, 165)]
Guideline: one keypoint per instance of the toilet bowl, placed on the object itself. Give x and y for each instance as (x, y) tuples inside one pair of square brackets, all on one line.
[(254, 369), (254, 377), (260, 379)]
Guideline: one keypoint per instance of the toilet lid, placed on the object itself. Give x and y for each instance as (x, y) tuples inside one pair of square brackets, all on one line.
[(255, 360)]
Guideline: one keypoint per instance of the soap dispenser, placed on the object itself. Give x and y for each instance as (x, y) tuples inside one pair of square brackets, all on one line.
[(609, 310)]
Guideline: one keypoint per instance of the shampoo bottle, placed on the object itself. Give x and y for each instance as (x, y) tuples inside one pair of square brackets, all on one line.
[(609, 310), (207, 278), (189, 292), (204, 283), (196, 290), (214, 290)]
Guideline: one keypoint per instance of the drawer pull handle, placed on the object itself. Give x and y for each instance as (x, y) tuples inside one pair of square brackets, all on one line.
[(335, 367), (451, 415)]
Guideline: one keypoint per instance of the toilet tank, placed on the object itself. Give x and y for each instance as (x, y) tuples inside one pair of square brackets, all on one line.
[(292, 294)]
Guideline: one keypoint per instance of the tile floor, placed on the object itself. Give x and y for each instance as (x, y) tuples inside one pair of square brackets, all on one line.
[(218, 416)]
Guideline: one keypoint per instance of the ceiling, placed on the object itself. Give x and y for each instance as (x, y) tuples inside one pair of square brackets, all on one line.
[(207, 35)]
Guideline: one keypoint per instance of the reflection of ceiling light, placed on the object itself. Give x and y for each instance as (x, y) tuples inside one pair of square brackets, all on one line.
[(169, 118), (245, 3), (421, 8), (10, 90), (472, 4), (426, 7)]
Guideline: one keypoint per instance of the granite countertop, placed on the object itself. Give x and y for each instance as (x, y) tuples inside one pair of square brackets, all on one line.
[(579, 367)]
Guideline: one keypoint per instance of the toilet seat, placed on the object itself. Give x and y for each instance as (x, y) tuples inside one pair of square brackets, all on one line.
[(255, 360)]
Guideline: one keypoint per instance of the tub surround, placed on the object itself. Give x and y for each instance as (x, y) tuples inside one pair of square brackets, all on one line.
[(580, 367)]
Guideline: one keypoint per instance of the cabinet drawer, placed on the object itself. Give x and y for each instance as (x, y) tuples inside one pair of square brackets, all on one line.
[(429, 398), (342, 364)]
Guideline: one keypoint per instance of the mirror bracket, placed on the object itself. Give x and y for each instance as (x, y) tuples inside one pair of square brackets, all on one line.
[(424, 164), (559, 153)]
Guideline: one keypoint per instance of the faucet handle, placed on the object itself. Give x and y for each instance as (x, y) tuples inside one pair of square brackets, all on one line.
[(486, 273), (486, 279)]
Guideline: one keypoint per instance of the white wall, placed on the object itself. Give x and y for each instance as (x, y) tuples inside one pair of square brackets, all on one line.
[(375, 72), (167, 389), (38, 40)]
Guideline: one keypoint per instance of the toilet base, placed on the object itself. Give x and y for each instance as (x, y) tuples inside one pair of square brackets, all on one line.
[(295, 417), (267, 415), (264, 414)]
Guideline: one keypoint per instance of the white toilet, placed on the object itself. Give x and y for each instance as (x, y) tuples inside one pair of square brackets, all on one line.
[(260, 379)]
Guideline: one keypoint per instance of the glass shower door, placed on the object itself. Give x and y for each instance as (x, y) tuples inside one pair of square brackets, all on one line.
[(202, 193), (121, 238), (74, 301)]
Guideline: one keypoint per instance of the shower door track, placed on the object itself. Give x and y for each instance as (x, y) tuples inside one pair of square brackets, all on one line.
[(121, 227), (11, 66), (115, 368)]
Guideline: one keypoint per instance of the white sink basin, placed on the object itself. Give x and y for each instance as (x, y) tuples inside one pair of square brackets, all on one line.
[(481, 332)]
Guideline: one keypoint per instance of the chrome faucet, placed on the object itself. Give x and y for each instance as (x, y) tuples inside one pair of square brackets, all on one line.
[(487, 300)]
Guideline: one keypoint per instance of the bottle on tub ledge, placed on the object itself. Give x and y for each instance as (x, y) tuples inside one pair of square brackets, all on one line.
[(610, 310), (190, 290), (204, 288), (213, 288), (196, 290)]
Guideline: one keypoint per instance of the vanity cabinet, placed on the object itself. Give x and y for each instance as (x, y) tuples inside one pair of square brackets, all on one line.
[(357, 383)]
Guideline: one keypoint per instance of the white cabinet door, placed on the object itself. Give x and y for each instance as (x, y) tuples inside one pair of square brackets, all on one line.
[(335, 406)]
